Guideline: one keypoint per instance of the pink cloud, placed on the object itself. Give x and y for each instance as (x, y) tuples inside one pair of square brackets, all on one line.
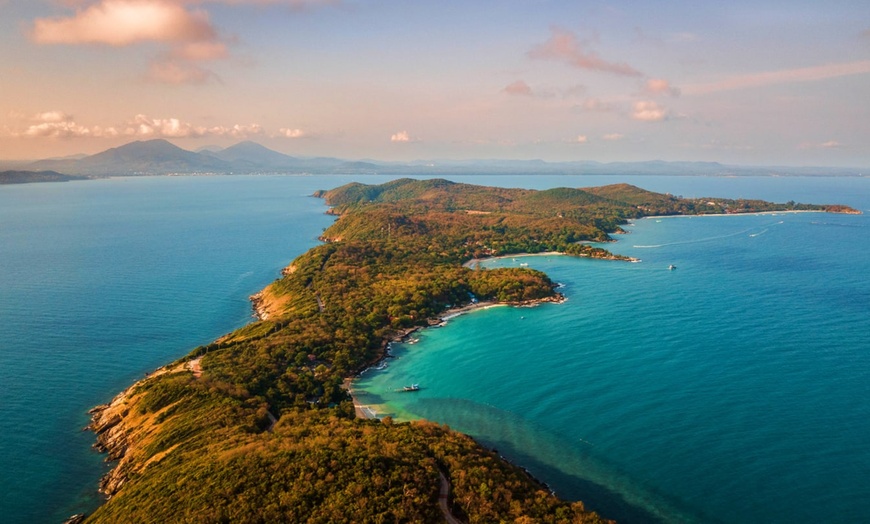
[(564, 46), (598, 105), (581, 139), (188, 33), (660, 86), (201, 51), (518, 88), (124, 22), (648, 111), (830, 144), (178, 72), (294, 4), (785, 76), (613, 137)]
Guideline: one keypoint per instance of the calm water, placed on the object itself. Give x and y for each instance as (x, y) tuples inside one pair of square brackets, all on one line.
[(734, 386)]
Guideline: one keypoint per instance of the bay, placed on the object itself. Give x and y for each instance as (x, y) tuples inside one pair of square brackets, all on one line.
[(732, 389)]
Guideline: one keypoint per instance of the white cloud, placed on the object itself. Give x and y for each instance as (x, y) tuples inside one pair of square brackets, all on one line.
[(285, 132), (648, 111), (613, 137), (53, 117), (146, 127), (142, 126), (57, 124), (402, 136)]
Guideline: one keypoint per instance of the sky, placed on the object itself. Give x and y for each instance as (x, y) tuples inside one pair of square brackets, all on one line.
[(762, 82)]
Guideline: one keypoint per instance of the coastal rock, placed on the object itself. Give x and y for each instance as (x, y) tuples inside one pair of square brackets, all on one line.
[(107, 421), (78, 518), (261, 312), (118, 430)]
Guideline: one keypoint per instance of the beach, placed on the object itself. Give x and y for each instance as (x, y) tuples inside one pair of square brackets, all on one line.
[(474, 261)]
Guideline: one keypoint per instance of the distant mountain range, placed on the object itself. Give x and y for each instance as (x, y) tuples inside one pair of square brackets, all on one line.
[(160, 157)]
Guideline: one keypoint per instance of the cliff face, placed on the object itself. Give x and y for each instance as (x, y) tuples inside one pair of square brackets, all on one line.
[(122, 430), (107, 421)]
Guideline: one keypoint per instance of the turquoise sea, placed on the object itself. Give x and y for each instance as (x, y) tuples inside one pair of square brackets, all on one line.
[(732, 389)]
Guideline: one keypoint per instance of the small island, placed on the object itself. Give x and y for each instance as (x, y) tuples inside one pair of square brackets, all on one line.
[(258, 426), (28, 177)]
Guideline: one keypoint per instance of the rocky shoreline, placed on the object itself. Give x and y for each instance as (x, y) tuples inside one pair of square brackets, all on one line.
[(258, 305), (117, 436), (108, 423)]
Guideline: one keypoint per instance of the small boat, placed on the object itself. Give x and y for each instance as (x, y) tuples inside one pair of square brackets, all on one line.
[(412, 387), (413, 341), (523, 264), (672, 267)]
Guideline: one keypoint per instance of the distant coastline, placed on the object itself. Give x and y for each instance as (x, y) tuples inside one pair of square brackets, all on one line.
[(32, 177)]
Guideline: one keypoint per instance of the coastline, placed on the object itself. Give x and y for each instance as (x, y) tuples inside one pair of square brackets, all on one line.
[(756, 213), (474, 261), (366, 412), (258, 306)]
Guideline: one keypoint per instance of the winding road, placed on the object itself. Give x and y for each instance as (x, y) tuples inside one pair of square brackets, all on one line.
[(443, 496)]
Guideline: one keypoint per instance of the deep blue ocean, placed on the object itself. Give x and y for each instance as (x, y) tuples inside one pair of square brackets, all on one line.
[(735, 388)]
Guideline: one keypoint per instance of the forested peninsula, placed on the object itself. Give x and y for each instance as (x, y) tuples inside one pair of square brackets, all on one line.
[(257, 427)]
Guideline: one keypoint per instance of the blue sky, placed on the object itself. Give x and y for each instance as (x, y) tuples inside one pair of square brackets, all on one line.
[(763, 82)]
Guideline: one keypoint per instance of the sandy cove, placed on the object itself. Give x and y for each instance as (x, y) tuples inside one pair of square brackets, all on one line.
[(474, 261), (364, 411)]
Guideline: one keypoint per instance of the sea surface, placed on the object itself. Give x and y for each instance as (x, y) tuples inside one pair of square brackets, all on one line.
[(735, 388)]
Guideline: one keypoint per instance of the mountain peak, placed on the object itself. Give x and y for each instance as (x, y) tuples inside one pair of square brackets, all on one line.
[(254, 154)]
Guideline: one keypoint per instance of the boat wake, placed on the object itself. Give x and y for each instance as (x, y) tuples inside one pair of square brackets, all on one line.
[(710, 239)]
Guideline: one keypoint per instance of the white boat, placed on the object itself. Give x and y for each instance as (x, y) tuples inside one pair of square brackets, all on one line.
[(672, 267)]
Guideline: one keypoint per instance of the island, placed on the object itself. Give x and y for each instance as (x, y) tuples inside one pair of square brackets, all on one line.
[(27, 177), (259, 426)]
